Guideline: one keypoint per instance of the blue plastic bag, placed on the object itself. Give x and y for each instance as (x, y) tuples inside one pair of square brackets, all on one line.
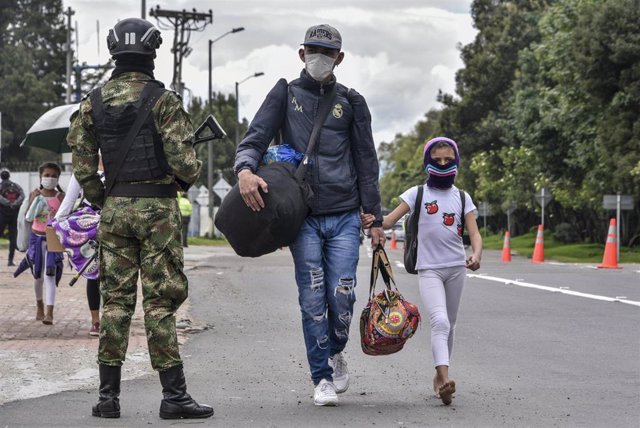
[(282, 153)]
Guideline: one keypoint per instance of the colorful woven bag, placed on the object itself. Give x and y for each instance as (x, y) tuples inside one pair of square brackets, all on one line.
[(388, 320)]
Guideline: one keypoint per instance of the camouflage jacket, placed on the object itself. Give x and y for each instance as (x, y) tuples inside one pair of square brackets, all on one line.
[(171, 120)]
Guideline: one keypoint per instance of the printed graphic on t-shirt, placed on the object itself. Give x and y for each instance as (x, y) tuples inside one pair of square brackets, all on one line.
[(448, 218), (432, 207), (459, 230)]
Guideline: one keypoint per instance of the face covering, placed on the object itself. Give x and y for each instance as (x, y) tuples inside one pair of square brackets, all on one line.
[(49, 183), (441, 176), (319, 66)]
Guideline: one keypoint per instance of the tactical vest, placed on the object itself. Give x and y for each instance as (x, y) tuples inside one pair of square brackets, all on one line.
[(145, 159)]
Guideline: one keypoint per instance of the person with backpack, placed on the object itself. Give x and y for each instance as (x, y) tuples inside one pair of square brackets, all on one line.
[(11, 197), (441, 258), (146, 140), (343, 174)]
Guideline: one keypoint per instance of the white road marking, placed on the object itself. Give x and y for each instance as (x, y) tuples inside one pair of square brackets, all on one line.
[(561, 290)]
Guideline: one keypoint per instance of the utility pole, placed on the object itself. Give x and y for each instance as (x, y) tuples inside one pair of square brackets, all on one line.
[(182, 23), (69, 13)]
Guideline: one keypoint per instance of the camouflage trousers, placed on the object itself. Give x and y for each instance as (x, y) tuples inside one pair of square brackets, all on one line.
[(141, 235)]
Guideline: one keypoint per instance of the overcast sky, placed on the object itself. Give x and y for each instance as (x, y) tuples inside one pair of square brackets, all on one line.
[(398, 53)]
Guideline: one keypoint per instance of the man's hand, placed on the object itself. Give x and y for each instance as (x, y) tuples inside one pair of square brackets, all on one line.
[(249, 183), (377, 237)]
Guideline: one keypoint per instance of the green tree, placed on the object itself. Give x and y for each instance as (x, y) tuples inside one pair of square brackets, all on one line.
[(32, 67)]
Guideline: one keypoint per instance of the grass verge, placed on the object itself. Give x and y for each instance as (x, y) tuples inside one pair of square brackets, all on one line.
[(554, 250)]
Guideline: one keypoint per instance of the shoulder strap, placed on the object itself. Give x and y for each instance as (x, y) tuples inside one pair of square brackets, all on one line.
[(416, 210), (150, 94), (321, 116), (462, 200)]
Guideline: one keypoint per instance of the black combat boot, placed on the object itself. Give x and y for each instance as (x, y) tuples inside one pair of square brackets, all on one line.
[(177, 404), (108, 403)]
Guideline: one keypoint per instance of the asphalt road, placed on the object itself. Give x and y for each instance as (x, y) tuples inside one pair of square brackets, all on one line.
[(536, 345)]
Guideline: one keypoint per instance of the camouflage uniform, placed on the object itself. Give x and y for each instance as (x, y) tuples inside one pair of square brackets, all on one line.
[(138, 234)]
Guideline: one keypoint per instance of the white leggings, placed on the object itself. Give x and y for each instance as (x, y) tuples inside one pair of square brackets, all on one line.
[(441, 292), (48, 281)]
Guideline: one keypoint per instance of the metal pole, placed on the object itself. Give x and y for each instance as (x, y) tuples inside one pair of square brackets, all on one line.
[(144, 10), (237, 117), (542, 205), (210, 148), (69, 13)]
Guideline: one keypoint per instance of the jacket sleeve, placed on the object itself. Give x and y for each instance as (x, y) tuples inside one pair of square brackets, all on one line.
[(364, 156), (264, 126), (84, 145), (20, 199), (175, 128)]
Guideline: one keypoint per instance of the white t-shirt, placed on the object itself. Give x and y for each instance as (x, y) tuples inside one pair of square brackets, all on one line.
[(439, 226)]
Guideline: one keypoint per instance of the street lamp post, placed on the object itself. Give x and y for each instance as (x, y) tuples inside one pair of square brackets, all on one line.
[(210, 143), (260, 73)]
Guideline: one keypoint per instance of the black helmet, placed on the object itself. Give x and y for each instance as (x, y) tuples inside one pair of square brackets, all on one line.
[(133, 36)]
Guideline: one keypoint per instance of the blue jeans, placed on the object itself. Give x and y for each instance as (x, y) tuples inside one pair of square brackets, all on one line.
[(325, 255)]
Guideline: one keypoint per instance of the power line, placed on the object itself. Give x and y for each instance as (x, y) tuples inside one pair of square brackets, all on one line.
[(183, 23)]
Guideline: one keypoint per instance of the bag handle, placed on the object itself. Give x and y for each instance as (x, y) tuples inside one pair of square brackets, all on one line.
[(323, 112), (380, 263), (150, 94)]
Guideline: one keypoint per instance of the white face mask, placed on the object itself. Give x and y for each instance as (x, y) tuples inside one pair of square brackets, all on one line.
[(319, 66), (49, 183)]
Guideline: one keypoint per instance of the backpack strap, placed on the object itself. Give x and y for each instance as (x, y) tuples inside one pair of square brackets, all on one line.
[(462, 200)]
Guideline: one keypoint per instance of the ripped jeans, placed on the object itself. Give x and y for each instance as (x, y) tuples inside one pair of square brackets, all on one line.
[(325, 255)]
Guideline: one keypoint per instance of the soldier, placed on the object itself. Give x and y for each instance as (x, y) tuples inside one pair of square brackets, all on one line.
[(140, 219)]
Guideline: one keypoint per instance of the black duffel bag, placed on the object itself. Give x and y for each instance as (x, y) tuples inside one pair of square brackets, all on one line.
[(255, 233), (286, 205)]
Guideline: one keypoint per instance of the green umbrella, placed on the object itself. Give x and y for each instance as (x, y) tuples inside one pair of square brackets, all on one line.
[(49, 132)]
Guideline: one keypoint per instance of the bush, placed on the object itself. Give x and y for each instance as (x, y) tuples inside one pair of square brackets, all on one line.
[(566, 233)]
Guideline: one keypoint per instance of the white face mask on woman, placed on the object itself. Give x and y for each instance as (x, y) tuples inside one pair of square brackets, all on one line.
[(49, 183), (319, 66)]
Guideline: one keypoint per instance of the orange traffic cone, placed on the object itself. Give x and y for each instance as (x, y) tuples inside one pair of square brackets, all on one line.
[(538, 250), (506, 248), (393, 246), (610, 258)]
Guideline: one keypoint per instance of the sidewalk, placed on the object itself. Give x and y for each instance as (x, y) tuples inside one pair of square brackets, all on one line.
[(38, 359)]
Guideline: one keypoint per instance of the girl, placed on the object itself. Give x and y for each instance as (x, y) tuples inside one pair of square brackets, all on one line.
[(441, 256), (74, 192), (46, 267)]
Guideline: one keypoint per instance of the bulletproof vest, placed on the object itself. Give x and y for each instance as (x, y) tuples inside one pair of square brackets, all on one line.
[(145, 159)]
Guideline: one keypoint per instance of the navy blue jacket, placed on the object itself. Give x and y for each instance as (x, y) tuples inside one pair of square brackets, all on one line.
[(344, 172)]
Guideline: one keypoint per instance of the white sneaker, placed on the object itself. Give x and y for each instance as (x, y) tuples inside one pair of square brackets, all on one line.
[(324, 394), (340, 373)]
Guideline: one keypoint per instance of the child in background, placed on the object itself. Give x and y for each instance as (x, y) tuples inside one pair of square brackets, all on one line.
[(441, 256), (46, 267)]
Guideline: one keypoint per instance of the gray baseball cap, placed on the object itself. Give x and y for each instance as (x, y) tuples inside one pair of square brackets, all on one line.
[(323, 35)]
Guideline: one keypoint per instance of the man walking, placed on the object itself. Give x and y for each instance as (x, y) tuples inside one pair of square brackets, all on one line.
[(11, 197), (140, 226), (344, 178)]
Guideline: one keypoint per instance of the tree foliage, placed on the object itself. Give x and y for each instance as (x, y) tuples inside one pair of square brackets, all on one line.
[(549, 96), (32, 67)]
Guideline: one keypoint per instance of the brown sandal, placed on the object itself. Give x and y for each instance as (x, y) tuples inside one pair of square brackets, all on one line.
[(446, 392)]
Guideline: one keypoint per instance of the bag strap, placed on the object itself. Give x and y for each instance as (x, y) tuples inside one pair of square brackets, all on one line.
[(321, 116), (380, 264), (416, 210), (150, 94), (462, 200)]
